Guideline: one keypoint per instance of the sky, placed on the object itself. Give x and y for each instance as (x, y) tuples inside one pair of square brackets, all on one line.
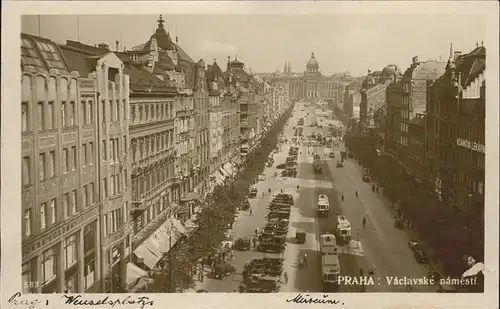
[(353, 43)]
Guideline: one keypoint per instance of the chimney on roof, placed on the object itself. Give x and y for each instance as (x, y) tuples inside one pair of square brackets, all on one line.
[(481, 43), (103, 46), (456, 54), (124, 48), (117, 45), (477, 44)]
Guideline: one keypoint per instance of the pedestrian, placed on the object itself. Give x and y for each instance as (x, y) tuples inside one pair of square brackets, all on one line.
[(286, 277), (361, 272), (342, 197), (250, 211), (356, 193)]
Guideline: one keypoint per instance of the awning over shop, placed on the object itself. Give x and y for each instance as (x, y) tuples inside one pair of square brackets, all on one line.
[(224, 172), (191, 226), (153, 248), (178, 225), (228, 167), (134, 272), (218, 177)]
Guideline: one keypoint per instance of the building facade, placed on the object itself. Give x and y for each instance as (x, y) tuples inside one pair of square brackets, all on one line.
[(76, 236), (455, 140), (201, 104)]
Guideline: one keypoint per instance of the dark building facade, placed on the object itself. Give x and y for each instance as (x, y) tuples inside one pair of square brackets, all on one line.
[(455, 146)]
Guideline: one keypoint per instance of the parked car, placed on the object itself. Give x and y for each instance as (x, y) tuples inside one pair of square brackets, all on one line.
[(418, 251), (261, 177), (339, 164), (366, 178), (281, 166), (252, 192), (331, 154)]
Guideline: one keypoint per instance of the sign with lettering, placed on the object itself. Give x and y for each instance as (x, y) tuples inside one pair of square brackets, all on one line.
[(86, 84), (429, 70), (471, 145)]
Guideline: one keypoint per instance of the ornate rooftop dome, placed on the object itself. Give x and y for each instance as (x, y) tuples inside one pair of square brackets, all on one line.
[(312, 63), (390, 70)]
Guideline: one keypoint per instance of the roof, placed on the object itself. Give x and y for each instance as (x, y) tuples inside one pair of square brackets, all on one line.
[(330, 259), (42, 54), (82, 62), (183, 55), (141, 80), (471, 64)]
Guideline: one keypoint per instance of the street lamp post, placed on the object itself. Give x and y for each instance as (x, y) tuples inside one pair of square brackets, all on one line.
[(357, 238)]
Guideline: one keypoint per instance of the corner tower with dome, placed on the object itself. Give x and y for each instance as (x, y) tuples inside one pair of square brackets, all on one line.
[(312, 84)]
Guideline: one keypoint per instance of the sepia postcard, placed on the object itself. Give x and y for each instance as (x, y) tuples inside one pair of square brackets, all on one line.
[(333, 154)]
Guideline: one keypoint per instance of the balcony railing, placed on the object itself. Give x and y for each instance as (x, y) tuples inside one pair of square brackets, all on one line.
[(137, 206)]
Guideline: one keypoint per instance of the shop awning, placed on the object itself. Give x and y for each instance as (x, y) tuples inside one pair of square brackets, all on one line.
[(228, 167), (191, 226), (178, 225), (134, 272), (218, 177), (224, 172), (153, 248)]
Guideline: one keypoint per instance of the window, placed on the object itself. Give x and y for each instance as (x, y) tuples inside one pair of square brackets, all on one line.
[(65, 158), (50, 116), (52, 164), (103, 111), (48, 266), (104, 152), (89, 274), (112, 187), (72, 113), (26, 171), (63, 114), (105, 187), (70, 254), (90, 109), (41, 166), (74, 202), (89, 238), (24, 117), (27, 277), (84, 196), (91, 153), (73, 152), (91, 193), (84, 112), (84, 152), (480, 187), (66, 205), (43, 216), (27, 223), (41, 118), (53, 213)]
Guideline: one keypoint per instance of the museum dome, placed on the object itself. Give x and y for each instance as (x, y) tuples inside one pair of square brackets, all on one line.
[(312, 64)]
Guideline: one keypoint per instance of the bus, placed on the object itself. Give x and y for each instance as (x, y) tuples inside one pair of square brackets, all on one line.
[(328, 244), (330, 271), (343, 229)]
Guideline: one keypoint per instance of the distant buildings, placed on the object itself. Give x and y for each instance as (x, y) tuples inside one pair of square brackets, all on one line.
[(313, 85)]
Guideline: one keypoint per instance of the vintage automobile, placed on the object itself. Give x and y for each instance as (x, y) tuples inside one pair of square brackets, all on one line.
[(281, 166), (222, 270), (252, 192), (366, 178), (300, 237), (245, 205), (339, 164), (242, 244), (418, 251), (331, 154)]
